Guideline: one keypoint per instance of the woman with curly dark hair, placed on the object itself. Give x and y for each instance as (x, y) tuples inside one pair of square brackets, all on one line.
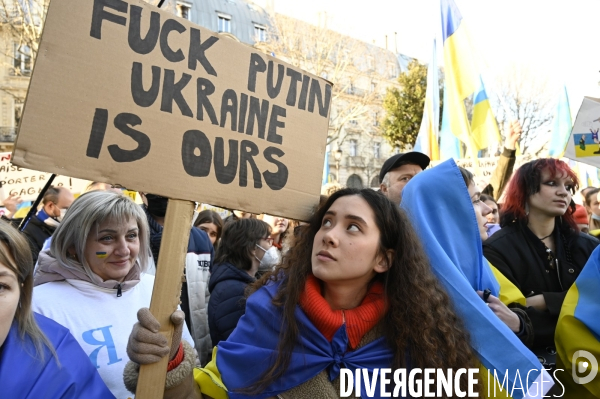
[(355, 291), (539, 248)]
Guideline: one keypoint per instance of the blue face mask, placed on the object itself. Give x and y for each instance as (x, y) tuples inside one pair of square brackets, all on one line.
[(595, 217)]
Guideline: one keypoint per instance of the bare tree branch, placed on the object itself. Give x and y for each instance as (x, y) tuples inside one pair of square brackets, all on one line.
[(354, 67), (524, 95)]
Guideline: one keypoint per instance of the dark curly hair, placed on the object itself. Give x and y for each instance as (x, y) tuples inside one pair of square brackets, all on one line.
[(414, 297)]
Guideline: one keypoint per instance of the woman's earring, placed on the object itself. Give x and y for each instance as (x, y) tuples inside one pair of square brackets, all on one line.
[(526, 209)]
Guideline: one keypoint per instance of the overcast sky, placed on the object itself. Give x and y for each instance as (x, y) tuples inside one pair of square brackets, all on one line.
[(558, 39)]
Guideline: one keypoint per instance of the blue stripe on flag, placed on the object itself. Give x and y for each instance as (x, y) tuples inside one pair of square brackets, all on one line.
[(451, 18)]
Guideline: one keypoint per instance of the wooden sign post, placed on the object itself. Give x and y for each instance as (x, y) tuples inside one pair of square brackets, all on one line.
[(135, 96), (167, 289)]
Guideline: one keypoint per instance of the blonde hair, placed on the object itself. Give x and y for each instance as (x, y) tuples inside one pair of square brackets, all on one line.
[(15, 254), (90, 210)]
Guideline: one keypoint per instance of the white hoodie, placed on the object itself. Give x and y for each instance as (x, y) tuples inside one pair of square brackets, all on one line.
[(99, 320)]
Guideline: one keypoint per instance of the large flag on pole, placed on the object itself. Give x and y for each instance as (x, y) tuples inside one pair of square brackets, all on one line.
[(450, 146), (484, 128), (326, 167), (562, 126), (427, 139), (461, 76)]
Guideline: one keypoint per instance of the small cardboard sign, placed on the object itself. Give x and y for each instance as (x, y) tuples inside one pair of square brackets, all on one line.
[(584, 144), (125, 93), (27, 183)]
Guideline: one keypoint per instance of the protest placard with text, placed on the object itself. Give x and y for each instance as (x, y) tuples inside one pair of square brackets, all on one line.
[(27, 184), (583, 144), (125, 93)]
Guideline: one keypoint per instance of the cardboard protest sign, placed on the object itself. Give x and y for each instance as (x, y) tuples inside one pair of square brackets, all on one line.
[(27, 183), (583, 144), (136, 96)]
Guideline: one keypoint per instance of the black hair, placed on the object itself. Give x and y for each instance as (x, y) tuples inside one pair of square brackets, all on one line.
[(239, 239)]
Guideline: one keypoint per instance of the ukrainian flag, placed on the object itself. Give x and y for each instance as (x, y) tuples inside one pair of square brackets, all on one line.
[(577, 335), (427, 139), (461, 77), (450, 146), (483, 123), (562, 126), (325, 179), (455, 252)]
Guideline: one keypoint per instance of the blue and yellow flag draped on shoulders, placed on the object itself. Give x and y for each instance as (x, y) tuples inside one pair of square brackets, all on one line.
[(24, 375), (240, 361), (438, 204), (577, 336)]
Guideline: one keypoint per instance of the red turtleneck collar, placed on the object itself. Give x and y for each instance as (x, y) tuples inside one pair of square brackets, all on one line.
[(358, 320)]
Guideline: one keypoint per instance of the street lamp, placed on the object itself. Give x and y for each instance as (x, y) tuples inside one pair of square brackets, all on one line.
[(337, 156)]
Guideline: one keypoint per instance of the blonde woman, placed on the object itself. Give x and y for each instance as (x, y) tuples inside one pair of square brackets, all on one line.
[(93, 279)]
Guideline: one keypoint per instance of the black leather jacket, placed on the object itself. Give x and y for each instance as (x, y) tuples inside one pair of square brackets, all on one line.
[(518, 254)]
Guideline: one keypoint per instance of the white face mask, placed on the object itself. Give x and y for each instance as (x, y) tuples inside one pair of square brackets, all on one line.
[(63, 212), (270, 259)]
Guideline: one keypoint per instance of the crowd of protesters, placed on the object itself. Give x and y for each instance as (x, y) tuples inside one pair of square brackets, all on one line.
[(366, 276)]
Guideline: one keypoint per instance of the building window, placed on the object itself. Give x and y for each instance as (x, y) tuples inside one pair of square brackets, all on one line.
[(375, 182), (260, 33), (353, 145), (184, 10), (350, 89), (22, 60), (392, 70), (370, 62), (224, 23), (354, 181), (18, 111), (376, 150)]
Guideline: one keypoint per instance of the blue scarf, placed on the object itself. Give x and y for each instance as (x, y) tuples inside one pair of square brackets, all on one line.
[(250, 349)]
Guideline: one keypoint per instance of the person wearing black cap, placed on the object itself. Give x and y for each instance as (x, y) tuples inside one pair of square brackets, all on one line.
[(398, 170)]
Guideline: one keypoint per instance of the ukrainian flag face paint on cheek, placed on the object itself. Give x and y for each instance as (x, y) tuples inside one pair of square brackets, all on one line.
[(101, 255)]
